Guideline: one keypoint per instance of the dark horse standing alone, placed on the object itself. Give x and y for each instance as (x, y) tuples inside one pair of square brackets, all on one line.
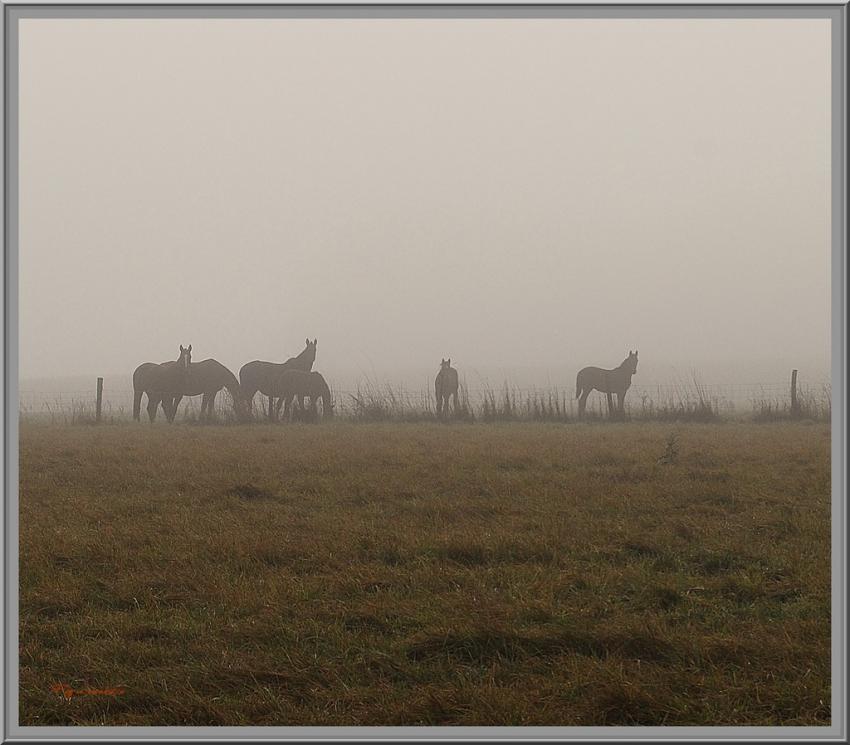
[(445, 386), (161, 382), (263, 376), (608, 382)]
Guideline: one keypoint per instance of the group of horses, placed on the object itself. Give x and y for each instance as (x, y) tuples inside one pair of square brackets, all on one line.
[(294, 381), (285, 383)]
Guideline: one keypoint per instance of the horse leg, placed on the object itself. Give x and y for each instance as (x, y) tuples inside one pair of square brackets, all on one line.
[(137, 404), (454, 398), (287, 408), (248, 401), (174, 403), (610, 398), (439, 407), (153, 405), (582, 403), (168, 408), (271, 408)]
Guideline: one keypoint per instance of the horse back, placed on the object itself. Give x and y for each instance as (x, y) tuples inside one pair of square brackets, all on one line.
[(260, 374), (143, 371), (207, 376), (291, 381), (607, 381)]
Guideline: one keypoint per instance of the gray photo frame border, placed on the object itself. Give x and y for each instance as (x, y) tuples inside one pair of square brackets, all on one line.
[(13, 12)]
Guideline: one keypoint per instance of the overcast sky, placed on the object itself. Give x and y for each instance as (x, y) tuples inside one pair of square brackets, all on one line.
[(539, 194)]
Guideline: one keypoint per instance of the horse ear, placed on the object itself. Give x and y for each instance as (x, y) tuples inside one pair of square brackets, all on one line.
[(190, 348), (314, 342), (181, 348), (449, 360)]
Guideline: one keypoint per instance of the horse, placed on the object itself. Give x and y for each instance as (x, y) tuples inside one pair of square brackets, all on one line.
[(159, 381), (206, 378), (262, 376), (298, 385), (445, 385), (608, 382)]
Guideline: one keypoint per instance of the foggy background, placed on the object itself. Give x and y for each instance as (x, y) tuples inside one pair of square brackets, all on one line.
[(526, 197)]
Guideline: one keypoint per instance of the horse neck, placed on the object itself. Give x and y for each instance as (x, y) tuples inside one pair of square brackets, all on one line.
[(305, 360), (179, 371), (624, 371)]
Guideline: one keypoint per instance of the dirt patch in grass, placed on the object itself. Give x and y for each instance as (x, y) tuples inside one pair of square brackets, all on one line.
[(249, 491)]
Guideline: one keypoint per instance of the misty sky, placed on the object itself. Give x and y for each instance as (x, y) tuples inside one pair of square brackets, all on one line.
[(511, 193)]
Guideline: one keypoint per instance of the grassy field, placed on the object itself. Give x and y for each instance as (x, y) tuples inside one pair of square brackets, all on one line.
[(392, 574)]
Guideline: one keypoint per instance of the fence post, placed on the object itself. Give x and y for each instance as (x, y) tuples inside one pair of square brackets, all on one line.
[(99, 403), (795, 406)]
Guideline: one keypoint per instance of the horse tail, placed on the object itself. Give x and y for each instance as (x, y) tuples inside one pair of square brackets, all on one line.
[(327, 403), (578, 385), (234, 388), (137, 404), (138, 390)]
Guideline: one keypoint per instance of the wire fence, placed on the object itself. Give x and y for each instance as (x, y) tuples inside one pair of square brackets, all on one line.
[(371, 399)]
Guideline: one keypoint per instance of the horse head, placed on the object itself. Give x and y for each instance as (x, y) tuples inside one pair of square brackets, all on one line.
[(631, 362), (310, 350), (446, 364), (185, 358)]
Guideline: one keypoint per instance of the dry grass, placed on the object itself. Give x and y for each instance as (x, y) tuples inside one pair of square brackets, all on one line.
[(354, 574)]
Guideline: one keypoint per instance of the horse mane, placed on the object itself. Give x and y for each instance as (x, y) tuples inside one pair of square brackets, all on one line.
[(303, 353)]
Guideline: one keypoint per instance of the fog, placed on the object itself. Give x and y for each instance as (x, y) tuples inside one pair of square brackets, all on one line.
[(524, 196)]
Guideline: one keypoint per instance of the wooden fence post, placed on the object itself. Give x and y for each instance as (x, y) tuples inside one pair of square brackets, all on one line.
[(99, 403), (795, 405)]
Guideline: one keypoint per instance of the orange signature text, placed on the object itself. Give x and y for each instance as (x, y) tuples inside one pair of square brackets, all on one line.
[(69, 692)]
